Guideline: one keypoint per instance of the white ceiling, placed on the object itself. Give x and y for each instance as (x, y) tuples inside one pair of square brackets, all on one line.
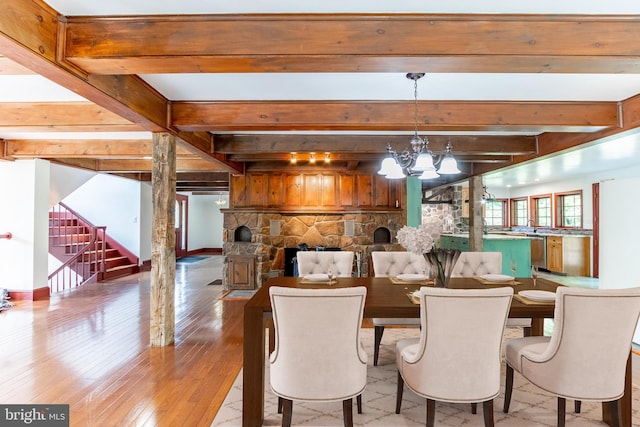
[(371, 86)]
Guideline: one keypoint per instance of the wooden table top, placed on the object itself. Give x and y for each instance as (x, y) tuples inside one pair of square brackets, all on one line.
[(386, 299)]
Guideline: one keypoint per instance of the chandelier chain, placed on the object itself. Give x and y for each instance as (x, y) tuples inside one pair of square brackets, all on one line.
[(415, 105)]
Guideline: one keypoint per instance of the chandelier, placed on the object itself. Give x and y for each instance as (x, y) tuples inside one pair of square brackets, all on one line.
[(417, 160), (220, 202)]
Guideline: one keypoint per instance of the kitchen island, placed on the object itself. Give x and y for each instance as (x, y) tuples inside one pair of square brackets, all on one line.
[(512, 247)]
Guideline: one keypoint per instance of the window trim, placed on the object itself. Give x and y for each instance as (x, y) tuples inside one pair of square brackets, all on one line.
[(512, 215), (533, 211), (558, 205), (505, 219)]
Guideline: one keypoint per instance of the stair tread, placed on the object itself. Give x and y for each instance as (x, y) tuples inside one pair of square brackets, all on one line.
[(121, 267)]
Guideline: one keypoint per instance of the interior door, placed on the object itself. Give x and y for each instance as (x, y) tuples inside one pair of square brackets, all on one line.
[(182, 225)]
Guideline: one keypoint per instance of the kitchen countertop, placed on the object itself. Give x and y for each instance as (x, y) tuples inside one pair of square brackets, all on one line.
[(495, 236)]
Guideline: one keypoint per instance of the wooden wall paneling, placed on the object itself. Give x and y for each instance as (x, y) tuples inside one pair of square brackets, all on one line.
[(275, 193), (381, 191), (292, 190), (312, 193), (364, 191), (257, 189), (329, 190), (345, 191), (238, 191)]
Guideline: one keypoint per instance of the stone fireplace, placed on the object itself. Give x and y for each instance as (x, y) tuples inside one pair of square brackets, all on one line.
[(270, 233)]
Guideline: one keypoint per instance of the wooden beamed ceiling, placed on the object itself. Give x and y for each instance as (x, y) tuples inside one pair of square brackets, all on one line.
[(100, 58)]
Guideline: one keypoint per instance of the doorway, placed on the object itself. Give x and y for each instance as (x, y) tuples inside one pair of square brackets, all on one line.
[(182, 225)]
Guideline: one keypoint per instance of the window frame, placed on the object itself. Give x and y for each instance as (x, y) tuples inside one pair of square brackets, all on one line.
[(505, 220), (533, 210), (513, 210), (559, 207)]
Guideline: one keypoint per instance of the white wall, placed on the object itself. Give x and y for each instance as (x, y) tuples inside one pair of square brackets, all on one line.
[(114, 202), (64, 181), (205, 222), (23, 258), (619, 235), (146, 214)]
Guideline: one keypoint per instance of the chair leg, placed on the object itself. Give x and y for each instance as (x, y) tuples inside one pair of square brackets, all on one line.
[(287, 412), (487, 411), (474, 408), (279, 405), (577, 406), (377, 339), (399, 392), (616, 413), (508, 388), (431, 412), (562, 407), (347, 409), (359, 403)]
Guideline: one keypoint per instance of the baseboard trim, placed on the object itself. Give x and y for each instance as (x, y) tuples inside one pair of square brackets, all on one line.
[(205, 250), (39, 294)]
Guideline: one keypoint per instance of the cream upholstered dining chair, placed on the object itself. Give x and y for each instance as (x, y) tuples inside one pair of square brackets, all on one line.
[(473, 264), (318, 357), (314, 262), (458, 355), (586, 355), (390, 264)]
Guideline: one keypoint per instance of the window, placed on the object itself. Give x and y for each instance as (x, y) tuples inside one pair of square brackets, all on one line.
[(569, 209), (519, 212), (494, 213), (541, 210)]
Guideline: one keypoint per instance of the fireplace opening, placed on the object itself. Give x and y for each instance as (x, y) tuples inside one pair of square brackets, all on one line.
[(242, 234), (382, 235)]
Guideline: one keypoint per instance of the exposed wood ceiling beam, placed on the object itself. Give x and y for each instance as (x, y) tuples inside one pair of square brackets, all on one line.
[(131, 165), (79, 148), (61, 116), (394, 116), (320, 143), (354, 43)]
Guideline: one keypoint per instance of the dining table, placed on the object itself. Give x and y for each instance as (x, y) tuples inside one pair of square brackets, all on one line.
[(388, 299)]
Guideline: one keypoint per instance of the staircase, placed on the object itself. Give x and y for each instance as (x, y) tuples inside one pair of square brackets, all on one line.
[(86, 251)]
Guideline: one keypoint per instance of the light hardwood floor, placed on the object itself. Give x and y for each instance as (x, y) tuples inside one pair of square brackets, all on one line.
[(89, 348)]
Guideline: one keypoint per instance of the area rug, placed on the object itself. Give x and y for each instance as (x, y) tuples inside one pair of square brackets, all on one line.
[(530, 406), (238, 294), (191, 259)]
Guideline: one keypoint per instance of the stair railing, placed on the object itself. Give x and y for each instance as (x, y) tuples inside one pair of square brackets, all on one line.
[(87, 262)]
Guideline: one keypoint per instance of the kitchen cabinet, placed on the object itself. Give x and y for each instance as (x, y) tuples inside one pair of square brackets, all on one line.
[(570, 255), (516, 248), (241, 271)]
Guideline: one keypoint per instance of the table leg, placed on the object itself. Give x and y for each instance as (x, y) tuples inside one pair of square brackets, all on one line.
[(625, 401), (537, 326), (253, 368)]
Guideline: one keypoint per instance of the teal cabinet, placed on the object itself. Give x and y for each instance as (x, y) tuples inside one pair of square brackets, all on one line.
[(512, 247)]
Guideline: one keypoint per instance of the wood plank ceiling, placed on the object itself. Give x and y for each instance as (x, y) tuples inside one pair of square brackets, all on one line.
[(104, 59)]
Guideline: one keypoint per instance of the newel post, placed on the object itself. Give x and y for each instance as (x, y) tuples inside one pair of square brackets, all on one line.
[(163, 240)]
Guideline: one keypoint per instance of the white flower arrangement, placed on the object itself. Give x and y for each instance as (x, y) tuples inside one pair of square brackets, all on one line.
[(422, 239)]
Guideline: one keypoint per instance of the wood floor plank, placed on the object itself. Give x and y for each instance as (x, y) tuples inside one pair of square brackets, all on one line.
[(89, 347)]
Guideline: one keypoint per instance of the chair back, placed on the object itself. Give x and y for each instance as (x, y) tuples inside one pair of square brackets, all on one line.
[(590, 344), (458, 356), (392, 263), (317, 353), (471, 264), (315, 262)]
